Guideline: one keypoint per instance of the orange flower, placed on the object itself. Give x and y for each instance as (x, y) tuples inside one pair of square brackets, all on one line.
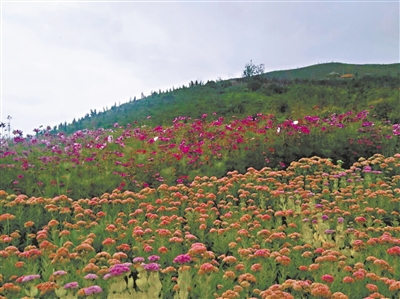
[(162, 250), (19, 264), (229, 275), (339, 295), (256, 267), (46, 287), (90, 268), (230, 259), (52, 223), (320, 290), (10, 287), (207, 268), (29, 224), (371, 287), (284, 260), (108, 242)]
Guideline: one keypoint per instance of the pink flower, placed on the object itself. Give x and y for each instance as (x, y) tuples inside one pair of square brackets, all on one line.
[(182, 259), (327, 278)]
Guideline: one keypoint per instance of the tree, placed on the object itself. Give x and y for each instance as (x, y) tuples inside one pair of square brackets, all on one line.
[(251, 69)]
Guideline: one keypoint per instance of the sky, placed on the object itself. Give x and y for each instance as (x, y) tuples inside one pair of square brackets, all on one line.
[(60, 59)]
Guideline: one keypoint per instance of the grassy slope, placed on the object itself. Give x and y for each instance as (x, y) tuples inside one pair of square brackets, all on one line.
[(319, 71), (227, 99)]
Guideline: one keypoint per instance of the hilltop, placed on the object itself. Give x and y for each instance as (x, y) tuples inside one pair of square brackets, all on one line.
[(321, 71)]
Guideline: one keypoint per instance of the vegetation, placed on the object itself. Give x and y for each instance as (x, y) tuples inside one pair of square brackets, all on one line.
[(287, 98), (250, 188)]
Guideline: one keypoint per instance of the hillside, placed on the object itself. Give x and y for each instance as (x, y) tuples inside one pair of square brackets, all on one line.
[(320, 71), (284, 93)]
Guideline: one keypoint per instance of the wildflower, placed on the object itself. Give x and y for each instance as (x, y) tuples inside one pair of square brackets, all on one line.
[(29, 224), (207, 268), (371, 287), (182, 259), (30, 277), (359, 275), (92, 290), (394, 250), (153, 258), (119, 269), (327, 278), (339, 295), (284, 260), (256, 267), (138, 259), (360, 219), (262, 253), (162, 249), (108, 241), (71, 285), (320, 290), (10, 287), (91, 276), (229, 275), (46, 287), (152, 267)]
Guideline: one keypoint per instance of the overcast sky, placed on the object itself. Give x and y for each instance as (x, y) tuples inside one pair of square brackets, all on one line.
[(61, 59)]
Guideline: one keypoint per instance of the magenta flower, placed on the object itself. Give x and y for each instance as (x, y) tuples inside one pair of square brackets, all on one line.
[(71, 285), (153, 258), (182, 259), (59, 273), (92, 290), (91, 276), (152, 267), (30, 277), (119, 269), (138, 259)]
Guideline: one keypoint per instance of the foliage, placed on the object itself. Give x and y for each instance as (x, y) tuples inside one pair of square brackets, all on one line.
[(87, 162), (315, 230), (250, 70)]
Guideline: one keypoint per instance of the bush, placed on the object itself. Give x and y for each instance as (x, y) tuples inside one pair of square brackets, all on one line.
[(254, 85)]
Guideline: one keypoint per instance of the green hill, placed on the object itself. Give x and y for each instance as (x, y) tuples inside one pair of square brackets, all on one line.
[(287, 94), (320, 71)]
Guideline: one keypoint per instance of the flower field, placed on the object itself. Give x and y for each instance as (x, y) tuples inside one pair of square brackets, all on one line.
[(171, 222), (90, 163)]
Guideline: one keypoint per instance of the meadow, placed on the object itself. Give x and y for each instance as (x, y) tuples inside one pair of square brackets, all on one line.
[(155, 212)]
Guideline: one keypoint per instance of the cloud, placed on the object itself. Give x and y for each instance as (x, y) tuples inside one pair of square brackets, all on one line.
[(70, 57)]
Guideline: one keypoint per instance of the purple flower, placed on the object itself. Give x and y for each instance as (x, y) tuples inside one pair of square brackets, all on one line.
[(92, 290), (367, 124), (318, 206), (152, 267), (30, 277), (325, 217), (182, 259), (340, 220), (138, 259), (329, 231), (71, 285), (367, 168), (119, 269), (59, 273), (153, 258), (107, 276), (91, 276)]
